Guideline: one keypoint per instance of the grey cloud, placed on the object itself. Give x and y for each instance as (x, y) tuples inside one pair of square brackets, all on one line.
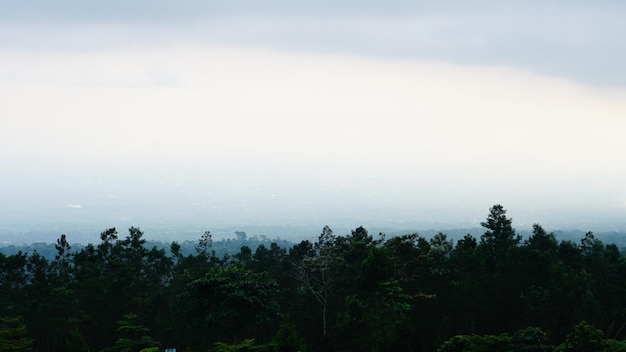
[(577, 40), (158, 10)]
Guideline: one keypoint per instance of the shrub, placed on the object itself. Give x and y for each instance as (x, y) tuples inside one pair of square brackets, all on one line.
[(530, 339), (477, 343), (584, 338)]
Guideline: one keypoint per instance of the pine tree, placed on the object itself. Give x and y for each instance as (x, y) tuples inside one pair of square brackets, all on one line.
[(13, 335)]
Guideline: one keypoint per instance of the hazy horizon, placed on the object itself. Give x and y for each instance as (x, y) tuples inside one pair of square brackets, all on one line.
[(410, 115)]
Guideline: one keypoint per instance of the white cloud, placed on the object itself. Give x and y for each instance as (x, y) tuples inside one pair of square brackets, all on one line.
[(251, 101), (409, 131)]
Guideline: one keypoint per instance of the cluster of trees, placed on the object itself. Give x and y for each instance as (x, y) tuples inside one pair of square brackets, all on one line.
[(340, 293)]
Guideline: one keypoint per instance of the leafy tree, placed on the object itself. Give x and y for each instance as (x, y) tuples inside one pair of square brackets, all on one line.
[(440, 250), (63, 260), (287, 338), (98, 315), (13, 280), (466, 301), (606, 267), (540, 255), (375, 321), (53, 314), (317, 270), (499, 247), (241, 236), (244, 256), (175, 251), (543, 275), (376, 313), (204, 245), (108, 238), (116, 277), (499, 238), (132, 337), (583, 338), (228, 304), (269, 260)]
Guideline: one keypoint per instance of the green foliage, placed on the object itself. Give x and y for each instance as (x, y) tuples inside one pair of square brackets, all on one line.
[(500, 234), (247, 345), (133, 337), (377, 311), (458, 343), (477, 343), (151, 349), (13, 337), (375, 268), (244, 345), (343, 292), (316, 269), (584, 338), (615, 346), (530, 339), (204, 245), (229, 303), (287, 338)]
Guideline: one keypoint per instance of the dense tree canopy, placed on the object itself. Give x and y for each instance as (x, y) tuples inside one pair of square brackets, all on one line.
[(350, 292)]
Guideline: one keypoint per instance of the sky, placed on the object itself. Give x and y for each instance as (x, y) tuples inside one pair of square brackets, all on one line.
[(391, 115)]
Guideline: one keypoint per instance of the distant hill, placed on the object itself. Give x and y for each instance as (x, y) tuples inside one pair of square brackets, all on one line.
[(228, 246), (222, 247)]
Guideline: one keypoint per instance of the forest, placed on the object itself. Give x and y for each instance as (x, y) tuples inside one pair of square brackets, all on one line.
[(353, 292)]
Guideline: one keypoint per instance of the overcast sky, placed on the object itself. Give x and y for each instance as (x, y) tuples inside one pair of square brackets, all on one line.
[(347, 113)]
